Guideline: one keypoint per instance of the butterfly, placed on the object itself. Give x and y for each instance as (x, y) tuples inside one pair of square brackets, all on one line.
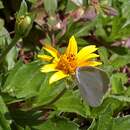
[(93, 84)]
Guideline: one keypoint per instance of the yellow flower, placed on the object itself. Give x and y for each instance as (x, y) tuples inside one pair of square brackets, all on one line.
[(65, 64)]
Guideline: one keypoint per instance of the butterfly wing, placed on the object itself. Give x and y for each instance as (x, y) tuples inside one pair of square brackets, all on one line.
[(93, 84)]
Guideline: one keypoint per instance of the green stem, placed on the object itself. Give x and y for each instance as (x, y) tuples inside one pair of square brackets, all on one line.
[(5, 52)]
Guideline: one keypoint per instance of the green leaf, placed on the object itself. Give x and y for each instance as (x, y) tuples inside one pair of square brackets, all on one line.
[(1, 23), (81, 42), (4, 38), (105, 120), (100, 31), (4, 41), (27, 118), (117, 82), (70, 6), (119, 23), (50, 6), (84, 29), (3, 106), (127, 93), (57, 124), (10, 99), (125, 10), (121, 98), (1, 5), (24, 80), (23, 9), (114, 104), (71, 102), (103, 55), (121, 123), (92, 126), (11, 58), (21, 128), (118, 61), (32, 1), (47, 92), (4, 116)]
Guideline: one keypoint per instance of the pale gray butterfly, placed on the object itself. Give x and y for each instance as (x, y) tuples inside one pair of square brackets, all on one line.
[(93, 84)]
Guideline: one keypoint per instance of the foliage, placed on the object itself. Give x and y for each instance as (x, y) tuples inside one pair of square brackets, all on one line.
[(27, 100)]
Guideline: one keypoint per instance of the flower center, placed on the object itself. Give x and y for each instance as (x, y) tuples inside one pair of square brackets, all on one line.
[(67, 63)]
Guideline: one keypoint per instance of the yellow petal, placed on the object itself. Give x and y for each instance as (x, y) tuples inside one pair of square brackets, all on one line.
[(89, 63), (45, 57), (49, 68), (72, 47), (88, 57), (51, 50), (84, 52), (57, 76), (92, 55)]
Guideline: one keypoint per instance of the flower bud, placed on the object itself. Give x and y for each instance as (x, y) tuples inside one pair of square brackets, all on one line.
[(23, 24)]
